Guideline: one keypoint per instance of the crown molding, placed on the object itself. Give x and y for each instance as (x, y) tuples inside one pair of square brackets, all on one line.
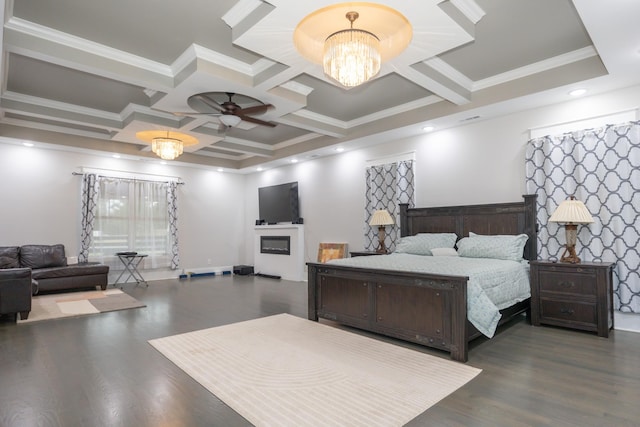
[(240, 11), (538, 67), (470, 9), (41, 32)]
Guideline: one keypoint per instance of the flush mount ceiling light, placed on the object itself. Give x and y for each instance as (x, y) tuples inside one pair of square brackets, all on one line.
[(352, 56), (578, 92), (168, 145)]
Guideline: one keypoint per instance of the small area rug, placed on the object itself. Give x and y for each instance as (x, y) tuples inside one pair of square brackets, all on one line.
[(55, 306), (286, 371)]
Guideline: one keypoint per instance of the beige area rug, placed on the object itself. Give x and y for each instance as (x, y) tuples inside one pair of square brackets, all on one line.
[(287, 371), (55, 306)]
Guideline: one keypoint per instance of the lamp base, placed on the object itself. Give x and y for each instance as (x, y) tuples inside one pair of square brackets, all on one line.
[(382, 248), (569, 255)]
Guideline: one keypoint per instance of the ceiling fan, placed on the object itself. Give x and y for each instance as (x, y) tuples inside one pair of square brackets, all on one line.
[(229, 112)]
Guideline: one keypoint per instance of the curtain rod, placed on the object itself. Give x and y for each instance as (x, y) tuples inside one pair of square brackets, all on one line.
[(90, 168), (131, 179)]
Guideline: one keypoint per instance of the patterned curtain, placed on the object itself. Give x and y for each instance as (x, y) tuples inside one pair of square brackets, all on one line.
[(172, 207), (89, 199), (602, 168), (123, 214), (387, 186)]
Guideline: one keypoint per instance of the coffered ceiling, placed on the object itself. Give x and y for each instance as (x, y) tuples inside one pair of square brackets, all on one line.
[(89, 75)]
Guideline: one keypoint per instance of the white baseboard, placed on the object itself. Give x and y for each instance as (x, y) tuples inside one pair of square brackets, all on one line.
[(626, 321)]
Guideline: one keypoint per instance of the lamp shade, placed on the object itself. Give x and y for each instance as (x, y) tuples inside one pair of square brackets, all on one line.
[(571, 211), (381, 217)]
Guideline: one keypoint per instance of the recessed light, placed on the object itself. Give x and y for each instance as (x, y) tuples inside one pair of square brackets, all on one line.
[(578, 92), (27, 144), (116, 156), (339, 149), (428, 128), (220, 170), (163, 162), (294, 160), (259, 169)]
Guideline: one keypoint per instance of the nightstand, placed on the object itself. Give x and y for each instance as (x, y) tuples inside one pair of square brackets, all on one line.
[(578, 296), (364, 253)]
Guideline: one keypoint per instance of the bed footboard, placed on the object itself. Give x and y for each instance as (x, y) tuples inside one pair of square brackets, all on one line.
[(426, 309)]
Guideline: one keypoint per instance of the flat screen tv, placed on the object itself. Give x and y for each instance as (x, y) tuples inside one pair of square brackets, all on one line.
[(279, 203)]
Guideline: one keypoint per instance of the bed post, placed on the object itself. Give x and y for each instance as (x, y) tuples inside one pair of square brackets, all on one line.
[(312, 297), (404, 223), (531, 226), (460, 345)]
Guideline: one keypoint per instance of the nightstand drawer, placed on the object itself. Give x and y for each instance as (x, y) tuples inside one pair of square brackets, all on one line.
[(575, 284), (568, 311)]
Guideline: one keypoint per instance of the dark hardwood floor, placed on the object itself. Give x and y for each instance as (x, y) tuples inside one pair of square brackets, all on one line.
[(100, 371)]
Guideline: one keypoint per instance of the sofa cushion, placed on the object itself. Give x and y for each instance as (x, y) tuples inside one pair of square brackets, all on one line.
[(42, 256), (70, 271), (9, 257)]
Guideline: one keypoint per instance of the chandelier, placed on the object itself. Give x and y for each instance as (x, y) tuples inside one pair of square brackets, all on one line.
[(351, 56), (168, 145), (167, 148)]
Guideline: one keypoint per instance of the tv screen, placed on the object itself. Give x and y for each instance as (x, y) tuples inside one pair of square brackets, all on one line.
[(279, 203)]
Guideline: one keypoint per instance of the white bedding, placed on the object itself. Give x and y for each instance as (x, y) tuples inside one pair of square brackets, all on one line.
[(493, 284)]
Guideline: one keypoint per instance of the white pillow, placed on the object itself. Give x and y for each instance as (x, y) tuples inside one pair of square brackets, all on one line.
[(444, 252)]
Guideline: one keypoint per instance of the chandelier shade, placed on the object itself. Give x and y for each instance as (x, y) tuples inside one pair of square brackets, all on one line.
[(167, 145), (352, 56), (167, 148)]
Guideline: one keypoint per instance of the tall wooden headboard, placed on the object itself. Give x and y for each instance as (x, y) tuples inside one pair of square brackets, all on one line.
[(497, 218)]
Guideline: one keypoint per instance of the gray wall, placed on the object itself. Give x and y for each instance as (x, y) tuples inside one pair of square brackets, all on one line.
[(41, 204), (480, 162)]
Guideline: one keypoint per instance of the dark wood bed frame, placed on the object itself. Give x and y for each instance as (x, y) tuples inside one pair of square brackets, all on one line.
[(428, 309)]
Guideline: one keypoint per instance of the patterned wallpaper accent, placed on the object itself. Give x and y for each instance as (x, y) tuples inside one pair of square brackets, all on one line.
[(601, 167)]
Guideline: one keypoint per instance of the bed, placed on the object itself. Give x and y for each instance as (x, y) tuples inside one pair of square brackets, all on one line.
[(383, 300)]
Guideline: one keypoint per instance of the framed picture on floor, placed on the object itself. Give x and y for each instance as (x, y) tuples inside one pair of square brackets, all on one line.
[(329, 251)]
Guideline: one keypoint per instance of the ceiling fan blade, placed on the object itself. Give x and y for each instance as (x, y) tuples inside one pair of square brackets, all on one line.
[(189, 113), (256, 121), (258, 109), (210, 102)]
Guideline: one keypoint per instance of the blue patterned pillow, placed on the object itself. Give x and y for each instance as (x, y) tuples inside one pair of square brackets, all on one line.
[(422, 243), (498, 247)]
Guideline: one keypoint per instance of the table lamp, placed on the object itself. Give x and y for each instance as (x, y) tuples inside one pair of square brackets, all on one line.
[(381, 218), (571, 212)]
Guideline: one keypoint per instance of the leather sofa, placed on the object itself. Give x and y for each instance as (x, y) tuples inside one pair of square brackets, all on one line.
[(49, 268), (15, 292)]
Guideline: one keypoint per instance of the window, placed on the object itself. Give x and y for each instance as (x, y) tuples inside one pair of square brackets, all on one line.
[(131, 215)]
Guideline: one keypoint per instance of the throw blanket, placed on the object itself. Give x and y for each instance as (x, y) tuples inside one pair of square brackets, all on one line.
[(493, 284)]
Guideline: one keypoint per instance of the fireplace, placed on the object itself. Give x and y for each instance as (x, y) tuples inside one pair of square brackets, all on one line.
[(278, 245), (280, 239)]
